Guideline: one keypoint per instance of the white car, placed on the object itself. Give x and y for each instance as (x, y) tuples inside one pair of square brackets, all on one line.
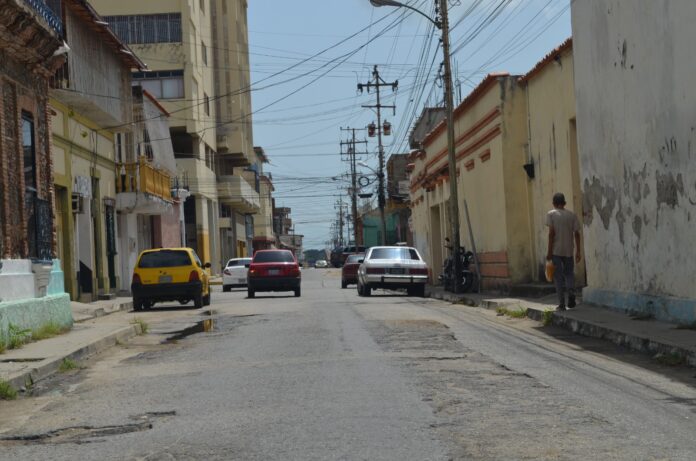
[(321, 264), (393, 267), (235, 273)]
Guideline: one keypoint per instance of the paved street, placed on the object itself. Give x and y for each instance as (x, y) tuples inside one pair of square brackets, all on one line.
[(331, 375)]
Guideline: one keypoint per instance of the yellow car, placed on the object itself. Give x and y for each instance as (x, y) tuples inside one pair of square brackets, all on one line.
[(170, 274)]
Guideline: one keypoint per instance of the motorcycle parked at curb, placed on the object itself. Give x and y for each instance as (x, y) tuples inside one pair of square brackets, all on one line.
[(467, 278)]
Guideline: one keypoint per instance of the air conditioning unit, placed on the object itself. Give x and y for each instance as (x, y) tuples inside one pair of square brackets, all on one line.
[(77, 203)]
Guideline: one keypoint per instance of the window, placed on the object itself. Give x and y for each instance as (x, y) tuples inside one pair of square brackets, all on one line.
[(29, 150), (168, 84), (281, 256), (164, 258), (394, 253), (147, 28), (206, 104), (204, 53)]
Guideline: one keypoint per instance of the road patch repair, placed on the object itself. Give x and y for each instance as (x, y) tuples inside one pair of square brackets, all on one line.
[(86, 434)]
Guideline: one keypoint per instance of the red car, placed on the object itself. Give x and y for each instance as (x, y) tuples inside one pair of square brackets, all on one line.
[(349, 273), (273, 270)]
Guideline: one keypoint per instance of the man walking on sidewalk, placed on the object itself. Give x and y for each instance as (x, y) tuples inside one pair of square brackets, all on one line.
[(564, 227)]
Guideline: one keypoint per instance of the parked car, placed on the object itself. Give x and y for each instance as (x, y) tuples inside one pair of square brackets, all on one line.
[(392, 267), (170, 274), (321, 264), (235, 273), (274, 270), (349, 273)]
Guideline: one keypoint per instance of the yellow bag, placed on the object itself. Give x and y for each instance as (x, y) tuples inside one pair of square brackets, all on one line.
[(550, 269)]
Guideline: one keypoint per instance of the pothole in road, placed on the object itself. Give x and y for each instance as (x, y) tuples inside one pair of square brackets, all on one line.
[(86, 434), (204, 326)]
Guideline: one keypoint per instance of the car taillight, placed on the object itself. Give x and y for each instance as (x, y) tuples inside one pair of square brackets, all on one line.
[(375, 270), (194, 277), (252, 271), (292, 271), (418, 271), (136, 279)]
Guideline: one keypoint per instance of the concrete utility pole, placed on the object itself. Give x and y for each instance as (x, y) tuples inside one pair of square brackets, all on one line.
[(352, 154), (378, 83)]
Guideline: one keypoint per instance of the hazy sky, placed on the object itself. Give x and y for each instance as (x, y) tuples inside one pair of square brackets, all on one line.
[(307, 57)]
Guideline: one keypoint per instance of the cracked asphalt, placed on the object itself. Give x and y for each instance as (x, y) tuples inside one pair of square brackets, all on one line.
[(334, 376)]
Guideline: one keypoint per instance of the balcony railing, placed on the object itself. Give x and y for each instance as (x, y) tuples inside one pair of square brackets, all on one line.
[(142, 176), (51, 14)]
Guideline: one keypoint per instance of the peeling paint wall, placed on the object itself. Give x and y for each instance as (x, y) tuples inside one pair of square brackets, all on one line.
[(636, 120)]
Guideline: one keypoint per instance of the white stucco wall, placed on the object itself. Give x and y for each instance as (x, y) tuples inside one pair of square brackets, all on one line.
[(636, 119)]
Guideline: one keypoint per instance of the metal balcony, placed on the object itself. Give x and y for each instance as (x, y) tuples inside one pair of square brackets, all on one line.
[(49, 10)]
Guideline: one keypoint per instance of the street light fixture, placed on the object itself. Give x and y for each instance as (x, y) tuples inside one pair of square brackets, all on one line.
[(443, 25)]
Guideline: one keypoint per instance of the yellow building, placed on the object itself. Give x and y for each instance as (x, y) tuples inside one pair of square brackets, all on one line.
[(552, 155), (490, 138), (199, 71), (91, 101)]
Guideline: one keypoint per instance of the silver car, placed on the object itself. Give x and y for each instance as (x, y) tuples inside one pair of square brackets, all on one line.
[(392, 267)]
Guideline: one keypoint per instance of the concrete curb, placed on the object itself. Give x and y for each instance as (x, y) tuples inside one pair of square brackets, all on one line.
[(101, 312), (49, 366), (635, 342)]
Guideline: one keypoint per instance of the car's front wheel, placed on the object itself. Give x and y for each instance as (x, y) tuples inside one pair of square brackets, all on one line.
[(251, 293), (297, 292), (226, 288), (344, 284), (137, 304)]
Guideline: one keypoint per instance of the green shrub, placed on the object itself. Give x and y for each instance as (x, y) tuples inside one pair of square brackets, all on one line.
[(7, 392)]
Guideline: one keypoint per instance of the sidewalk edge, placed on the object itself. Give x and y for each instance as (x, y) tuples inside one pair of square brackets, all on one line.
[(50, 366)]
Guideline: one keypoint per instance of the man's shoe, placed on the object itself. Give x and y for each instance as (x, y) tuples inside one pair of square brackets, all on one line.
[(561, 307), (571, 302)]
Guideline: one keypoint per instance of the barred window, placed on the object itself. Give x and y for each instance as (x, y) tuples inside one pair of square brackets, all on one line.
[(147, 28)]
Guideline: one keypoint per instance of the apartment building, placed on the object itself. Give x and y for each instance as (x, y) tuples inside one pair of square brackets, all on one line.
[(197, 56)]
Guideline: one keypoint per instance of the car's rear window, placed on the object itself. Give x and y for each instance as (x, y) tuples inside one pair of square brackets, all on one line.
[(394, 253), (165, 258), (239, 262), (274, 257), (352, 259)]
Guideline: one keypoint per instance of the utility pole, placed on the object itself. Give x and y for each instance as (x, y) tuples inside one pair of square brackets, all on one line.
[(451, 154), (378, 83), (352, 154)]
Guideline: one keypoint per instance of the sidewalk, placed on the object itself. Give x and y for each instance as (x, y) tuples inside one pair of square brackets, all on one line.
[(649, 336), (91, 333)]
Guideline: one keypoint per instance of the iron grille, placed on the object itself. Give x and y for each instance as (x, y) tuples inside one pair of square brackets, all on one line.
[(49, 10), (40, 228)]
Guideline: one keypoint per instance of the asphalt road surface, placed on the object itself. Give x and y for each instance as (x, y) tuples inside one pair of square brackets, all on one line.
[(333, 376)]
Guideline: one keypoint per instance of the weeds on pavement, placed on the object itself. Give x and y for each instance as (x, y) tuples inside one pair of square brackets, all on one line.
[(514, 313), (547, 318), (17, 336), (68, 364), (143, 325), (48, 330), (7, 392)]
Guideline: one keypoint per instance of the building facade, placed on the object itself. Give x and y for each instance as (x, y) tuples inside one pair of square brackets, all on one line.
[(197, 53), (490, 138), (31, 279), (634, 72), (552, 154), (88, 114)]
